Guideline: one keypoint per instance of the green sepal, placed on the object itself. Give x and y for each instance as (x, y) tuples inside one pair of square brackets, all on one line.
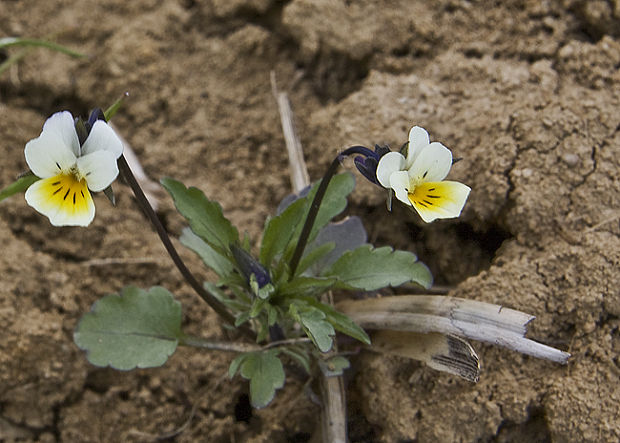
[(19, 185), (138, 329), (114, 107), (109, 193)]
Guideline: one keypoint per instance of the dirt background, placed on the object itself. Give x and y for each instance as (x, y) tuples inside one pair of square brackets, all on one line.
[(527, 92)]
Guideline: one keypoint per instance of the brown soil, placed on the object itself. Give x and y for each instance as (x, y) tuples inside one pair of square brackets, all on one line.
[(526, 92)]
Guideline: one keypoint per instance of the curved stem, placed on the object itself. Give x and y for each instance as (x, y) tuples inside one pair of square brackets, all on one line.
[(209, 298), (316, 203)]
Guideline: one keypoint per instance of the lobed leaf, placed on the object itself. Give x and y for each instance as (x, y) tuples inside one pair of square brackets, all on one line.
[(369, 269), (138, 329), (265, 372), (315, 324)]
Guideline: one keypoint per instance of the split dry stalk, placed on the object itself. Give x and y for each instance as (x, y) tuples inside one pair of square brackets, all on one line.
[(333, 412)]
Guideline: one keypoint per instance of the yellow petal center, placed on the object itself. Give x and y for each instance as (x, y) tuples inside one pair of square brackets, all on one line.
[(68, 193), (428, 195), (443, 199)]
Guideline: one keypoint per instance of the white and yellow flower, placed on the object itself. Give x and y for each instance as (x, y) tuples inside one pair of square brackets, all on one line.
[(417, 180), (69, 171)]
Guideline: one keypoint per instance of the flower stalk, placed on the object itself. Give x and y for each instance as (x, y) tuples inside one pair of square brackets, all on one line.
[(209, 298), (316, 203)]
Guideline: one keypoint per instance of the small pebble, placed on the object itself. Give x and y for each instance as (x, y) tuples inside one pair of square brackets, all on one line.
[(570, 159)]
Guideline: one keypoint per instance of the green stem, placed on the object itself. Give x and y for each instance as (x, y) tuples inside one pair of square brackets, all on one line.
[(198, 342), (209, 298)]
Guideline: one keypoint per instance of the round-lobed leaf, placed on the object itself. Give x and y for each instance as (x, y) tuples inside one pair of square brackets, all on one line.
[(138, 329)]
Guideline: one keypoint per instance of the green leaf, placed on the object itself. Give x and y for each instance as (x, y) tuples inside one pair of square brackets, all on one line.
[(334, 201), (136, 329), (279, 231), (299, 356), (19, 185), (17, 41), (282, 231), (114, 107), (234, 365), (266, 374), (370, 269), (341, 322), (315, 324), (205, 217), (302, 286), (334, 366), (315, 254), (345, 235), (242, 318), (233, 304), (212, 258)]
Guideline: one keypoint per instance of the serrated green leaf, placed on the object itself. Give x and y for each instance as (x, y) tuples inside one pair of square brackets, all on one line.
[(137, 329), (205, 217), (315, 324), (306, 286), (212, 258), (370, 269), (341, 322), (279, 231), (19, 185), (234, 365), (266, 374)]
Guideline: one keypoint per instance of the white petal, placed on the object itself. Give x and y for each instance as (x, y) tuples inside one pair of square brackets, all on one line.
[(62, 125), (99, 168), (63, 200), (48, 154), (103, 138), (418, 139), (399, 182), (432, 164), (388, 164), (439, 199)]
